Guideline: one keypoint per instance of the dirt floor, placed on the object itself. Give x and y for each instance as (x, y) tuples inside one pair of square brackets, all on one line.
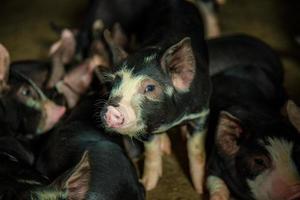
[(24, 30)]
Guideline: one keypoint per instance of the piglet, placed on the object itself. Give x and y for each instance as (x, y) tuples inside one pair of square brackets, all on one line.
[(253, 147), (24, 106), (112, 176), (19, 180), (162, 84)]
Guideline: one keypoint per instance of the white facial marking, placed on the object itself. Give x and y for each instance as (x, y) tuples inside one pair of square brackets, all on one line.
[(169, 91), (148, 59), (30, 182), (130, 100), (185, 117), (283, 166)]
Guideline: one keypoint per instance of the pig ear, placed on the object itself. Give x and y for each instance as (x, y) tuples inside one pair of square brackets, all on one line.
[(293, 113), (65, 46), (76, 182), (118, 53), (4, 67), (98, 27), (61, 53), (179, 62), (119, 36), (228, 133)]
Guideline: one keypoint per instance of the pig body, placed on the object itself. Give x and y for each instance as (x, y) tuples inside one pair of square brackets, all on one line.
[(129, 14), (19, 180), (37, 70), (255, 148), (100, 15), (24, 106), (16, 172), (26, 109), (112, 174), (163, 83)]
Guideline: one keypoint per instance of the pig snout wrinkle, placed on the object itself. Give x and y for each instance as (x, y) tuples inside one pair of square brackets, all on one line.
[(113, 117)]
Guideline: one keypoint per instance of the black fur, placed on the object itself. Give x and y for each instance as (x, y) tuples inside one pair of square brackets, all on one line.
[(112, 174), (251, 90)]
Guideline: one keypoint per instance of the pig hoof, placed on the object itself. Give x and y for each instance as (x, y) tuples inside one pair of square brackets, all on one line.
[(219, 196), (152, 173), (198, 187), (150, 180)]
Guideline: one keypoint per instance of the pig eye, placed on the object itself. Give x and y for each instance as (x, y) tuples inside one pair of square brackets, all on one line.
[(26, 92), (149, 88), (260, 163)]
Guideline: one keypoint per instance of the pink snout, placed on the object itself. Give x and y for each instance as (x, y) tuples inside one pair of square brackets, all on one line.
[(53, 113), (285, 191), (113, 117)]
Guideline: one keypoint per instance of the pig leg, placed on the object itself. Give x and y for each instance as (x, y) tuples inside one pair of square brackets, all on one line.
[(152, 163), (61, 52), (4, 67), (165, 144), (217, 188), (196, 150), (221, 2), (210, 19), (57, 72), (71, 97), (197, 156)]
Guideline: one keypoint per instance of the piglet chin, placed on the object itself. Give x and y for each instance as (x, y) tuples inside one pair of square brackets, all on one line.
[(114, 118), (54, 113)]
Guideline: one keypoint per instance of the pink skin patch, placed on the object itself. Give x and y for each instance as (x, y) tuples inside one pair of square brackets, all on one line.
[(53, 114), (4, 66), (282, 180), (285, 190), (121, 117), (114, 118)]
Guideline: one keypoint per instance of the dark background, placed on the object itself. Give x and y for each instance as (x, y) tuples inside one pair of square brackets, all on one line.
[(25, 31)]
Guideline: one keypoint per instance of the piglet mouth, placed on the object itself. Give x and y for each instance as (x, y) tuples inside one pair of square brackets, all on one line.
[(114, 118)]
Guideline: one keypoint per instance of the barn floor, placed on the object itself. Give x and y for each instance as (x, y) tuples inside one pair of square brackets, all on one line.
[(24, 30)]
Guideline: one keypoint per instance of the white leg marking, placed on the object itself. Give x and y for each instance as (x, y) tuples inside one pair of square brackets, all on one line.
[(152, 163), (217, 189), (210, 19), (196, 154), (165, 144)]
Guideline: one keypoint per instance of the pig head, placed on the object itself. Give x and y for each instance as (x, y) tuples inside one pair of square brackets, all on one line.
[(259, 160), (24, 107), (155, 89)]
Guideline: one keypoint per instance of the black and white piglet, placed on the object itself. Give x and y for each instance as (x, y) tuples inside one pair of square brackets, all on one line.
[(255, 149), (24, 106), (162, 84), (112, 175)]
